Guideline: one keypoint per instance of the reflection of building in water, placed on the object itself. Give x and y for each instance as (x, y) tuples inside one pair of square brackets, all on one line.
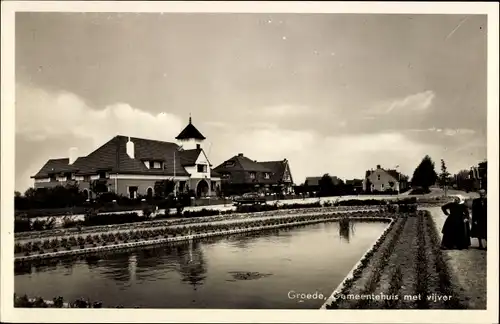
[(346, 228), (192, 264), (132, 267), (116, 267)]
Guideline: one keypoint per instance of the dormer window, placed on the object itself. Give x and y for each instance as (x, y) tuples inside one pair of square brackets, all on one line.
[(226, 175), (267, 175), (252, 175), (229, 164), (156, 165)]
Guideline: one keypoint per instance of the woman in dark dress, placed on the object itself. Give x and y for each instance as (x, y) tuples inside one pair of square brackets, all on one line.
[(456, 230), (479, 208)]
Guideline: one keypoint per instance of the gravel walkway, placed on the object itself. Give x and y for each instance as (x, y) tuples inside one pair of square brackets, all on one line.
[(468, 267)]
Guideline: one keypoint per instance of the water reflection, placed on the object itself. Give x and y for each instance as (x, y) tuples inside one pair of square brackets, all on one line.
[(192, 265), (256, 270), (346, 230)]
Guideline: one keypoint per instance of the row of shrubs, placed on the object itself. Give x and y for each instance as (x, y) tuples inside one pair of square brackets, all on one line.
[(92, 218), (102, 239)]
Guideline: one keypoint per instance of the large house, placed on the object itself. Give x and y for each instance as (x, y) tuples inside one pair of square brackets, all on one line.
[(384, 180), (132, 166), (240, 174)]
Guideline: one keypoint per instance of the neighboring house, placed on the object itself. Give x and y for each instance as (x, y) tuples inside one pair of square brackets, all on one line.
[(240, 174), (380, 180), (132, 166), (354, 186), (478, 174), (312, 184)]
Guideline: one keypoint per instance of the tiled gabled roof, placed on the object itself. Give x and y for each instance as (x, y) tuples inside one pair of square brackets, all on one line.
[(112, 156), (314, 181), (54, 166), (242, 163), (189, 157), (277, 168)]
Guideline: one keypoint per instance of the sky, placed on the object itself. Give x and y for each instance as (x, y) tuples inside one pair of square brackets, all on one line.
[(332, 93)]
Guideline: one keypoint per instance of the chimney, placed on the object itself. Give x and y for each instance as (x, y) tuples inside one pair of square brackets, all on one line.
[(198, 146), (73, 155), (130, 149), (378, 166), (240, 154)]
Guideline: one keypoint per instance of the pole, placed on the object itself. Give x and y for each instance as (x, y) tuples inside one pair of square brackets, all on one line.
[(175, 194)]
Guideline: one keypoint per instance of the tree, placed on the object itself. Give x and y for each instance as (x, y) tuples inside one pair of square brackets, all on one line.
[(444, 177), (164, 188), (424, 175), (326, 185)]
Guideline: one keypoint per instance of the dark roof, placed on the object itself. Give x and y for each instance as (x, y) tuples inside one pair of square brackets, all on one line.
[(189, 157), (240, 171), (55, 166), (190, 132), (242, 163), (112, 156), (277, 168), (214, 174), (354, 182), (314, 181)]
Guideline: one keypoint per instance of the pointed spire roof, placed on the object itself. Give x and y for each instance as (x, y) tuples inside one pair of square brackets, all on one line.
[(190, 132)]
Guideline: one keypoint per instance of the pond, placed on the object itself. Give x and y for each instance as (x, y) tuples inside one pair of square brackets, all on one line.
[(253, 271)]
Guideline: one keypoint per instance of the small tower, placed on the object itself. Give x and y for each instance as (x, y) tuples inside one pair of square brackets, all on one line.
[(190, 138)]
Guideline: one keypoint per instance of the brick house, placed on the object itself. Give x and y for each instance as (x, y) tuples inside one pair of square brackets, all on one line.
[(384, 180), (240, 174), (132, 166)]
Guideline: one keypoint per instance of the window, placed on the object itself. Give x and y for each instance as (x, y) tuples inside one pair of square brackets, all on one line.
[(146, 163), (202, 168), (86, 178), (132, 192), (229, 164), (267, 175), (252, 175), (182, 186), (382, 186), (103, 175), (378, 177), (157, 165), (226, 175), (69, 177), (52, 177)]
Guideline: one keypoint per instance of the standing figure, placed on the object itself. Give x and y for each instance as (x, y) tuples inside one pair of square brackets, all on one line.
[(479, 209), (456, 230)]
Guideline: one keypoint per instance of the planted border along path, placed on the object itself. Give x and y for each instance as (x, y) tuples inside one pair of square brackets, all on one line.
[(406, 270)]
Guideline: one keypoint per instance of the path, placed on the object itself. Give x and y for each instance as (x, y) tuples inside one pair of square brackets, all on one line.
[(468, 266)]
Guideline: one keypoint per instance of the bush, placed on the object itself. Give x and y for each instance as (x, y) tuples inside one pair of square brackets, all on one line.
[(109, 219), (201, 213), (419, 191), (362, 202)]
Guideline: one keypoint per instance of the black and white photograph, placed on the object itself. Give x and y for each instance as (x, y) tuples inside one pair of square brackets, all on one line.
[(183, 159)]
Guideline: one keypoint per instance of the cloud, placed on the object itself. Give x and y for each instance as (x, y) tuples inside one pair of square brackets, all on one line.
[(282, 110), (445, 131), (419, 102), (42, 114)]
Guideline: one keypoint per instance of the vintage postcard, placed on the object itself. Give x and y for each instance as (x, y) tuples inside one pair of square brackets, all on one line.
[(249, 162)]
